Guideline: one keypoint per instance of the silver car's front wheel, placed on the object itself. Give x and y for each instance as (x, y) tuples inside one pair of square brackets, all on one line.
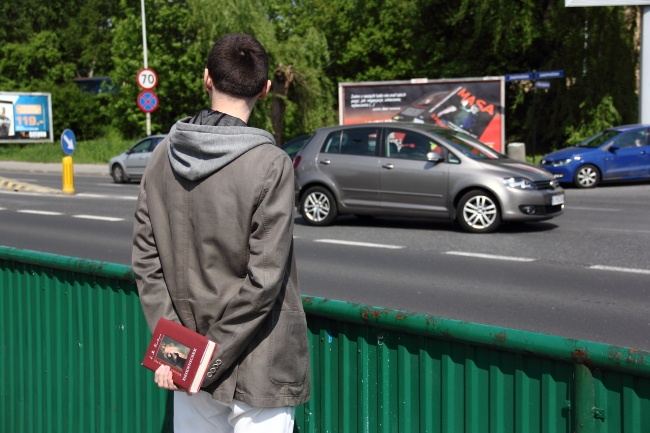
[(117, 173), (318, 207), (587, 176), (478, 212)]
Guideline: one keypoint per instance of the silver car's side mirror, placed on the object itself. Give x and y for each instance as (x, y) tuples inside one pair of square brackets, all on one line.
[(434, 157)]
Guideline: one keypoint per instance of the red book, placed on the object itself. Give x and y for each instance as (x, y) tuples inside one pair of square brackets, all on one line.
[(188, 353)]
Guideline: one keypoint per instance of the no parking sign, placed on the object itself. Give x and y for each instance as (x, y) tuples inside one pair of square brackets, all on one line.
[(148, 101)]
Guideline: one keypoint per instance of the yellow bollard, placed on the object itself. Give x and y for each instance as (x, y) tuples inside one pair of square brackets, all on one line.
[(68, 175)]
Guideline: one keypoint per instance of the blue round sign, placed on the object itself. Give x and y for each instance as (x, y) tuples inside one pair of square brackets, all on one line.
[(148, 101), (68, 142)]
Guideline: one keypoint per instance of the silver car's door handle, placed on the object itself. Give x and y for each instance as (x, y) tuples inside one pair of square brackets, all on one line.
[(388, 166), (325, 161)]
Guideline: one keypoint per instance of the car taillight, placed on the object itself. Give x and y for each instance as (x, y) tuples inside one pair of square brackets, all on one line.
[(296, 161)]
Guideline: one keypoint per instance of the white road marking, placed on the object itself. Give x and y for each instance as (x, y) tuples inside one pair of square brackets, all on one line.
[(359, 244), (33, 194), (490, 256), (636, 232), (118, 197), (96, 217), (618, 269), (39, 212)]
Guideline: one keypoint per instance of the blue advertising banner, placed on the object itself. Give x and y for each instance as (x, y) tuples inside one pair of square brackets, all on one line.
[(25, 117)]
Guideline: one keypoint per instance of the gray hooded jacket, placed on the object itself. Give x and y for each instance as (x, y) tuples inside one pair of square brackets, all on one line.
[(213, 250)]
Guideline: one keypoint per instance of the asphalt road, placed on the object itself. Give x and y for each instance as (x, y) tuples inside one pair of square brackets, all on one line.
[(583, 275)]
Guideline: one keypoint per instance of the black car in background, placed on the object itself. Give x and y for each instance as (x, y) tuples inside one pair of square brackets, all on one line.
[(293, 146)]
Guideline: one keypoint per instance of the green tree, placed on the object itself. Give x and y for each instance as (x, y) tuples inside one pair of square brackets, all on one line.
[(315, 44), (180, 35), (367, 40), (300, 99), (593, 45), (374, 40), (170, 53), (87, 37), (45, 45)]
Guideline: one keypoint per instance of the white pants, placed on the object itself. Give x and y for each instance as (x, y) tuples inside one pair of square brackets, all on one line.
[(199, 413)]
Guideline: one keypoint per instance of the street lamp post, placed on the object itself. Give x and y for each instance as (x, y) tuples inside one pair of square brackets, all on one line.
[(146, 63), (644, 67)]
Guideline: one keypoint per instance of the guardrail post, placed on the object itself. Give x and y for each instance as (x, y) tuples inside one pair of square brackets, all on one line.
[(585, 400)]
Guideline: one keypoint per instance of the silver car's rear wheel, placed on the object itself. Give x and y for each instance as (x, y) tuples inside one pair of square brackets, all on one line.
[(318, 207), (587, 176), (117, 173), (478, 212)]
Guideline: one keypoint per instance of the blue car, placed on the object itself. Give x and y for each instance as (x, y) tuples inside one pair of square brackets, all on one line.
[(621, 153)]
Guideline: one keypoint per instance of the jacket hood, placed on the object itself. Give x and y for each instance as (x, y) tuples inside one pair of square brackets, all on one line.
[(196, 151)]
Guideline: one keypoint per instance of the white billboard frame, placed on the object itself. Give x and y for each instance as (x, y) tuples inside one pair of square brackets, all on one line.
[(424, 82)]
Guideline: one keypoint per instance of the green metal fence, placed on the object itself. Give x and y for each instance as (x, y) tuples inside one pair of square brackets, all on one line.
[(73, 336)]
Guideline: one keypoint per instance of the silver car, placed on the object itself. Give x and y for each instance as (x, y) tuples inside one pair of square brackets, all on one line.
[(408, 169), (130, 165)]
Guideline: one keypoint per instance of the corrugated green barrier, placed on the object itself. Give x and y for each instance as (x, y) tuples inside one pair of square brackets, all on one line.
[(73, 336)]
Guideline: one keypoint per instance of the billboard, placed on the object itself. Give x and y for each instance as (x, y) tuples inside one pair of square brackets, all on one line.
[(25, 117), (472, 105)]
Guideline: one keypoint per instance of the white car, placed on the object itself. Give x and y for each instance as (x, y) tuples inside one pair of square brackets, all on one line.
[(130, 165)]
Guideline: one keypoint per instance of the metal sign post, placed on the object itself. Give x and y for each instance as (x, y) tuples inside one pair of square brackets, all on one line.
[(644, 65), (146, 64)]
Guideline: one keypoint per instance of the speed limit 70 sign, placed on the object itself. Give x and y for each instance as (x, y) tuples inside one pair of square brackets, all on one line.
[(147, 79)]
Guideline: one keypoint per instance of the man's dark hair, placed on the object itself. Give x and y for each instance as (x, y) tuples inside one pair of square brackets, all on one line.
[(238, 65)]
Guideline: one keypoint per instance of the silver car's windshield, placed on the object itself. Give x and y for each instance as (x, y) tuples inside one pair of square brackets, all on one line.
[(469, 146), (597, 140)]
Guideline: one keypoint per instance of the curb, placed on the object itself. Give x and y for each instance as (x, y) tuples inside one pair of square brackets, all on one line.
[(11, 185), (41, 167)]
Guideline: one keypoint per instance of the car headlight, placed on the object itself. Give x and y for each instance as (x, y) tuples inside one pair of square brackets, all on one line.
[(560, 163), (518, 182)]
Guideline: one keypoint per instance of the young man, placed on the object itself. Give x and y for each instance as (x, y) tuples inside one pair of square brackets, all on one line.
[(213, 250)]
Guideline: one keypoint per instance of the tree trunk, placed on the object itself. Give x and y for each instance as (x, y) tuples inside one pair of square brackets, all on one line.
[(280, 84)]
